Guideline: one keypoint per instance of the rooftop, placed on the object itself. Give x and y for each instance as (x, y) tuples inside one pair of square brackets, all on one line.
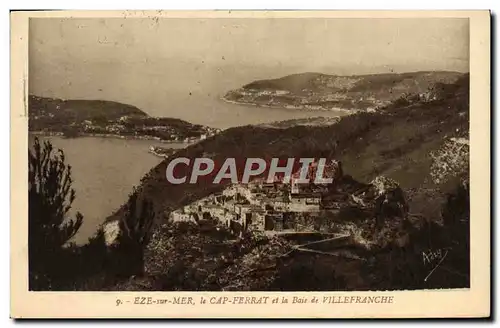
[(307, 195)]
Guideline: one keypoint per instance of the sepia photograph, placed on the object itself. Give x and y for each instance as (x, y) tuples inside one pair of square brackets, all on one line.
[(249, 153)]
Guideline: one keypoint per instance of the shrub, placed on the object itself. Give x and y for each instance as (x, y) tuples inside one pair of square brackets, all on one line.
[(135, 233)]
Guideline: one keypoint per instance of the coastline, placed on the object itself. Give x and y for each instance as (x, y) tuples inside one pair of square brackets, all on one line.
[(108, 135), (276, 124), (341, 110)]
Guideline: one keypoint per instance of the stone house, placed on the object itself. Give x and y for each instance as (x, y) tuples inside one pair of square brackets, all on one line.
[(273, 221), (181, 216), (250, 216), (305, 202)]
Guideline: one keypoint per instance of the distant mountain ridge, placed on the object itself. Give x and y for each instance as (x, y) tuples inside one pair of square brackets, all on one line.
[(317, 91)]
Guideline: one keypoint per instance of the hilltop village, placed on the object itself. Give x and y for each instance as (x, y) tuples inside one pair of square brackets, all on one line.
[(262, 206)]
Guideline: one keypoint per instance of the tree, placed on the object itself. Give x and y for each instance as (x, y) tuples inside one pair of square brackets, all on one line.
[(135, 227), (50, 198)]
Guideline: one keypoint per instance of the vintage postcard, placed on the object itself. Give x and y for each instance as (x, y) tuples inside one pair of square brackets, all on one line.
[(250, 164)]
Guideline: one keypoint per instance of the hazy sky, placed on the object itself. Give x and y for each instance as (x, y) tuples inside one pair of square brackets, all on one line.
[(154, 64)]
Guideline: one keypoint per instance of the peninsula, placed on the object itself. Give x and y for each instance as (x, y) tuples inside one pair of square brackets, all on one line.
[(317, 91), (77, 118)]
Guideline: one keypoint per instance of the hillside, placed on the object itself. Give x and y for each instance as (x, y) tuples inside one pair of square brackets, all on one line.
[(316, 91), (393, 206), (396, 142), (309, 121), (73, 118)]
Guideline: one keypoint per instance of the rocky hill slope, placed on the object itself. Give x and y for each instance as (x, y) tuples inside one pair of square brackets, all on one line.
[(396, 142), (413, 152), (400, 144)]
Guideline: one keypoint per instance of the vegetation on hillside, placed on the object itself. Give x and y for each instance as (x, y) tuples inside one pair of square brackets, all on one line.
[(397, 143), (421, 223), (55, 262), (50, 196), (400, 142)]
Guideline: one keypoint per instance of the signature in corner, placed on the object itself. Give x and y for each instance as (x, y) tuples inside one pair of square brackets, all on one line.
[(432, 256)]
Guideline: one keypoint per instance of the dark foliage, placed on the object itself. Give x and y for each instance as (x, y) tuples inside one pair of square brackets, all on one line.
[(436, 256), (311, 273), (135, 232), (50, 198)]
